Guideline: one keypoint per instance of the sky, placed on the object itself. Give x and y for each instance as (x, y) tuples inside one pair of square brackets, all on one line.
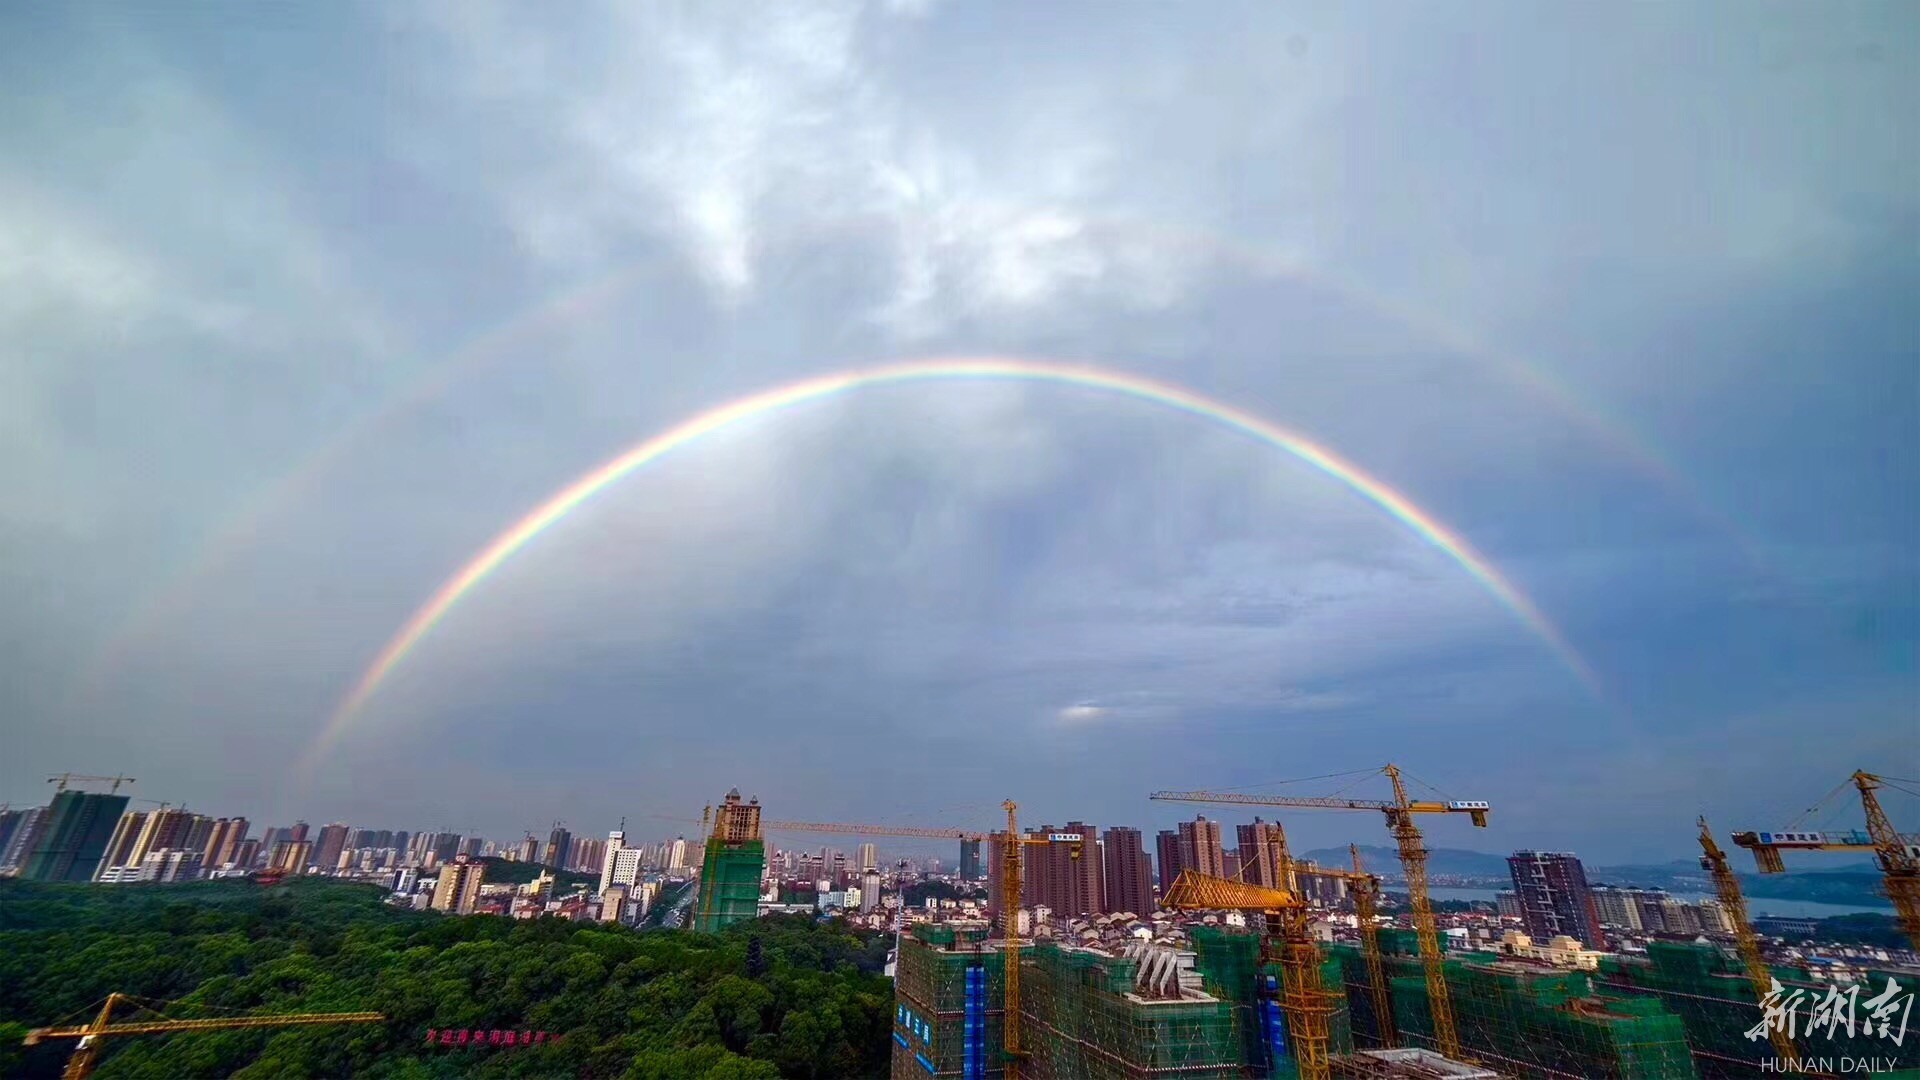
[(300, 308)]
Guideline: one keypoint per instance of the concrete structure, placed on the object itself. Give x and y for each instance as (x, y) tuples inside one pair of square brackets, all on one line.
[(459, 885), (1507, 904), (559, 846), (970, 868), (1129, 874), (70, 846), (869, 857), (736, 859), (120, 846), (290, 856), (1555, 898), (223, 842)]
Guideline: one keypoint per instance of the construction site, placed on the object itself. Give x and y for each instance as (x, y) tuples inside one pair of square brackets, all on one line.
[(1274, 996)]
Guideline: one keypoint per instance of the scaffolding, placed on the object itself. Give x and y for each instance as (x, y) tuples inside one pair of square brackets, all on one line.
[(1089, 1015), (1231, 965), (1712, 994), (1526, 1021), (730, 883), (948, 987)]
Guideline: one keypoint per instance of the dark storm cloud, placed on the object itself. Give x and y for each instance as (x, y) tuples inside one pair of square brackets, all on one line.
[(223, 243)]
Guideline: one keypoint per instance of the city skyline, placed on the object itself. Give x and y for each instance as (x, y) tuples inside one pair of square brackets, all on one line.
[(457, 430)]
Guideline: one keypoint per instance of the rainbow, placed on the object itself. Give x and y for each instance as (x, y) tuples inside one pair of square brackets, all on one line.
[(577, 493)]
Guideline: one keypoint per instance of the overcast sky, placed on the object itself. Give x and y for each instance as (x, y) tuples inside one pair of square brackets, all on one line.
[(300, 307)]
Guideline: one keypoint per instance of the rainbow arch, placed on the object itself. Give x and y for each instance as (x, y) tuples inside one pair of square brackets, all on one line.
[(569, 498)]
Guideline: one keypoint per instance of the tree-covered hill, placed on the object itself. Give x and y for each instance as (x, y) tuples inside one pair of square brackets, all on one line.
[(774, 997)]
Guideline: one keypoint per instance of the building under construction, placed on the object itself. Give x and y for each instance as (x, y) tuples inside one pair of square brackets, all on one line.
[(735, 861)]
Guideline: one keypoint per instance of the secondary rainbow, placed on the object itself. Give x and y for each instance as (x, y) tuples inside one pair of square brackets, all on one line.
[(569, 498)]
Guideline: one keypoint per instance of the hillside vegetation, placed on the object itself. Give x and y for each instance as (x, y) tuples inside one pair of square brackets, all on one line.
[(770, 998)]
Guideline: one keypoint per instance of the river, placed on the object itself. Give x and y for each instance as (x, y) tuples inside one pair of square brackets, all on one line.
[(1802, 909)]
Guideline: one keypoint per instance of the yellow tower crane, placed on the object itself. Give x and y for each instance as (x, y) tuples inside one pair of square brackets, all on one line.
[(1289, 937), (1013, 845), (1714, 862), (1897, 854), (1366, 909), (87, 1051), (1413, 860)]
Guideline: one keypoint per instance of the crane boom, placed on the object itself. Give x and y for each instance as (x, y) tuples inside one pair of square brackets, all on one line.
[(1898, 854), (1413, 861), (87, 1051)]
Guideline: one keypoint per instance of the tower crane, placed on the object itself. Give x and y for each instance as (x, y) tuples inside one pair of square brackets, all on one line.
[(1413, 859), (1366, 895), (65, 780), (1714, 862), (1897, 854), (87, 1051), (1289, 934), (1013, 846)]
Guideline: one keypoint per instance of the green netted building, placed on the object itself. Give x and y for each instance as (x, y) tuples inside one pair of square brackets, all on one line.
[(1522, 1019), (1708, 989), (730, 871)]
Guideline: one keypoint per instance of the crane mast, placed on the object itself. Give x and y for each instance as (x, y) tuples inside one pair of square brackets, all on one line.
[(1714, 862), (1900, 870), (1365, 910)]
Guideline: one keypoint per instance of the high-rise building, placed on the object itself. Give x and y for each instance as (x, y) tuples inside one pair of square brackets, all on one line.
[(126, 832), (10, 821), (168, 864), (559, 846), (163, 829), (677, 854), (1167, 859), (459, 885), (1263, 852), (79, 824), (445, 846), (223, 846), (1555, 898), (869, 890), (470, 846), (530, 849), (1129, 875), (736, 859), (1200, 849), (326, 850), (869, 857), (1065, 874), (199, 827), (1618, 907), (291, 856), (297, 834), (623, 865), (970, 868), (26, 836)]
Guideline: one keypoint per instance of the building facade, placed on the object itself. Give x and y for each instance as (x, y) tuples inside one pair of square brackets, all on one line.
[(78, 826), (1555, 898), (459, 885), (1263, 853), (1129, 874), (1200, 849)]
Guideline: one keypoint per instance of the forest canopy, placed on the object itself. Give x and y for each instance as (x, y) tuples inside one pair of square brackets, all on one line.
[(773, 997)]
